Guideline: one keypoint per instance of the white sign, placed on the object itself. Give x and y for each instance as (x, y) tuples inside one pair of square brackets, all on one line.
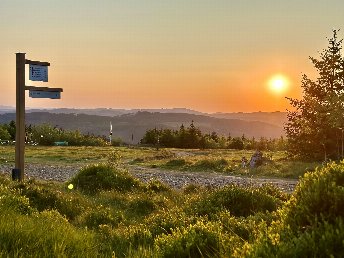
[(45, 94), (38, 73)]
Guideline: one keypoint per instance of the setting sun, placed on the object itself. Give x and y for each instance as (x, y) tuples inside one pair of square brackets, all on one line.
[(278, 83)]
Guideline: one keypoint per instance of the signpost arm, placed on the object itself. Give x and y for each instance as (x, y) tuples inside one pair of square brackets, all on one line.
[(20, 114)]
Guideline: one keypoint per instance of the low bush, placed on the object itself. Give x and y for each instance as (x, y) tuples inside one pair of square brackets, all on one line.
[(240, 201), (123, 240), (47, 197), (318, 197), (100, 215), (311, 223), (202, 239), (165, 221), (45, 234), (10, 199), (219, 165), (142, 205), (176, 163), (95, 178), (157, 186)]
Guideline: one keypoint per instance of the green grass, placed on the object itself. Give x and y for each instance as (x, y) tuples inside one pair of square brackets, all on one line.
[(67, 155), (226, 161), (223, 161), (121, 218)]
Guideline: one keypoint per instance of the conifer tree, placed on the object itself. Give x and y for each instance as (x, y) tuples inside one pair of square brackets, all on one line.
[(314, 125)]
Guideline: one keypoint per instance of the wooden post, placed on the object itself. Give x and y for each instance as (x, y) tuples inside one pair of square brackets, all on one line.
[(20, 114)]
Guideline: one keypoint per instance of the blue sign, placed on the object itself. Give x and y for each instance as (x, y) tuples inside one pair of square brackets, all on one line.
[(45, 94), (38, 73)]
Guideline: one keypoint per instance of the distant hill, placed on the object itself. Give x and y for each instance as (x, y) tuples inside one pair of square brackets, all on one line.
[(137, 123), (112, 112), (276, 118)]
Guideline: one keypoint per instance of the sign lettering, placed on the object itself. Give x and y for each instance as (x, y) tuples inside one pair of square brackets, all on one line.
[(38, 73)]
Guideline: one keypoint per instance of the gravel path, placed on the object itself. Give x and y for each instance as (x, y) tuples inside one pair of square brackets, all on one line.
[(175, 179), (45, 172), (178, 179)]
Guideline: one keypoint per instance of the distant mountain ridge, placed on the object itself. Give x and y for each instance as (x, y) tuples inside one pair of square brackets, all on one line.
[(136, 124), (277, 118)]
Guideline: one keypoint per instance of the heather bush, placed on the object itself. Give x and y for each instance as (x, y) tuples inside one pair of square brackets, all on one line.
[(240, 201), (99, 177)]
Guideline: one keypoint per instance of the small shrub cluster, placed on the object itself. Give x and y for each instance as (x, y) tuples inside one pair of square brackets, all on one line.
[(239, 201), (312, 221), (102, 177), (210, 164)]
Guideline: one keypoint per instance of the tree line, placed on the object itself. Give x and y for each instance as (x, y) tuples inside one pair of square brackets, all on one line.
[(47, 135), (191, 137)]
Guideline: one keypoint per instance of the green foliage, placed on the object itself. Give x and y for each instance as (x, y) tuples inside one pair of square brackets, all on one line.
[(11, 200), (176, 163), (198, 240), (311, 223), (315, 126), (239, 201), (45, 197), (318, 197), (46, 219), (99, 177), (192, 138), (142, 205), (4, 134), (98, 216), (45, 234), (157, 186), (124, 239), (46, 135), (211, 164)]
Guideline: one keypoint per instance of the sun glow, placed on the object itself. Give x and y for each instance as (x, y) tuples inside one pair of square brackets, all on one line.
[(278, 83)]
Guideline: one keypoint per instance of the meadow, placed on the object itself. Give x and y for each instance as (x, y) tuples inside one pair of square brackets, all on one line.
[(104, 211), (195, 160)]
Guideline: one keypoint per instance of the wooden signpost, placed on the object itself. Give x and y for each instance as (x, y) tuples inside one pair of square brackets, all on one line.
[(38, 71)]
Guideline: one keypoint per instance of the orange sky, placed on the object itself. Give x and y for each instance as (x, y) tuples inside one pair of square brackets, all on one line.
[(211, 56)]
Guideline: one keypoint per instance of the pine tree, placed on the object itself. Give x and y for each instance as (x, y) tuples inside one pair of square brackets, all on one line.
[(313, 126)]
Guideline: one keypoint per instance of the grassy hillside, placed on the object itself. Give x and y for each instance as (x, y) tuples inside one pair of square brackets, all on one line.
[(108, 213)]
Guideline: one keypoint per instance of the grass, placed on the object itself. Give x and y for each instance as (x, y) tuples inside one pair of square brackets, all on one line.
[(226, 161), (67, 155), (223, 161), (121, 218)]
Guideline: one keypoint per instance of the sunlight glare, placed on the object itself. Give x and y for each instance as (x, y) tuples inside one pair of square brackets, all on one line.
[(278, 83)]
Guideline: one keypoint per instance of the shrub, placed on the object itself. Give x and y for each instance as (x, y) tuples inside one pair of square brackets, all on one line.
[(239, 201), (45, 234), (198, 240), (121, 242), (157, 186), (100, 215), (193, 189), (167, 220), (319, 196), (210, 164), (99, 177), (176, 163), (46, 197), (142, 205), (311, 224), (11, 200)]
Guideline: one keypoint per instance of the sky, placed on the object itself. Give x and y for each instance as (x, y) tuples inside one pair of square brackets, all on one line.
[(206, 55)]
